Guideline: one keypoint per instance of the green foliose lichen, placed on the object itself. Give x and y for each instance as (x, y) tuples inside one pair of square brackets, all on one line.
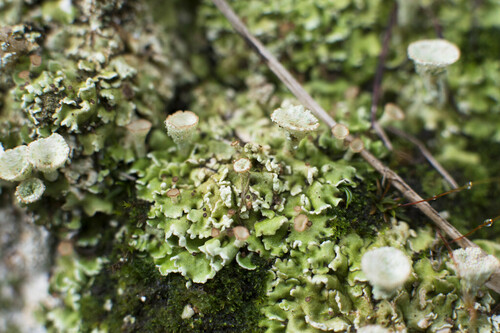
[(77, 73)]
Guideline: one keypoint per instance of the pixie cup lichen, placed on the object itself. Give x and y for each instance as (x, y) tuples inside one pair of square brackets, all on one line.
[(29, 190), (14, 164), (392, 113), (474, 268), (242, 166), (174, 195), (433, 55), (241, 233), (387, 269), (138, 130), (297, 121), (181, 127), (355, 146), (431, 58), (300, 222), (49, 154), (340, 132)]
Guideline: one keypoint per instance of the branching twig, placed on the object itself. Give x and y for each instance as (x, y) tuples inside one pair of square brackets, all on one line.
[(427, 154), (377, 82), (308, 101)]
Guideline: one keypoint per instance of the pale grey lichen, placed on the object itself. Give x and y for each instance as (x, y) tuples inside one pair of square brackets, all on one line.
[(181, 127), (30, 190), (474, 267), (387, 269), (296, 120), (15, 164), (48, 154), (433, 55)]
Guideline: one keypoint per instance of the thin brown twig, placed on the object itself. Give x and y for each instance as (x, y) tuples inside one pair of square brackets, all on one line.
[(377, 82), (426, 153), (306, 99)]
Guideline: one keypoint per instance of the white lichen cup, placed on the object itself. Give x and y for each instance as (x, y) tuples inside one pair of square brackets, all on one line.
[(29, 190), (340, 132), (296, 121), (49, 154), (431, 58), (387, 269), (14, 164), (474, 268), (139, 130), (241, 233), (174, 194), (392, 114), (301, 222), (355, 146), (242, 167), (433, 55), (181, 127)]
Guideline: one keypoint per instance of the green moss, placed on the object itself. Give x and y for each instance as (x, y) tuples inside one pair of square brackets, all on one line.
[(230, 302)]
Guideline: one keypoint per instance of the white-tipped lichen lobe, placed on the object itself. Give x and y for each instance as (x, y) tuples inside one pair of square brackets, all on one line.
[(373, 329)]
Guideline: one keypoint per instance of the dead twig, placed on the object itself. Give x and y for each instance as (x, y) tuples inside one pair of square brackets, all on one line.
[(427, 154), (306, 99)]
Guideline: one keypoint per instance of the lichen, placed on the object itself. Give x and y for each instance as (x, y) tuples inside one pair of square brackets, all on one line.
[(233, 232)]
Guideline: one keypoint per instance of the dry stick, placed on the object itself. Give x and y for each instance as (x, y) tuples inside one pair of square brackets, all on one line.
[(377, 82), (309, 102), (427, 154)]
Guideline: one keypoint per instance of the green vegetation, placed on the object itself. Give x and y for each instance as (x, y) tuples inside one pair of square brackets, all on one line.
[(159, 234)]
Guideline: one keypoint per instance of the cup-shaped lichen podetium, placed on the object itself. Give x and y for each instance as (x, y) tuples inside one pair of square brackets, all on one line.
[(301, 222), (355, 146), (49, 154), (392, 114), (138, 130), (241, 233), (387, 269), (174, 194), (340, 132), (297, 122), (30, 190), (431, 58), (181, 127), (14, 164), (474, 268), (242, 166)]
